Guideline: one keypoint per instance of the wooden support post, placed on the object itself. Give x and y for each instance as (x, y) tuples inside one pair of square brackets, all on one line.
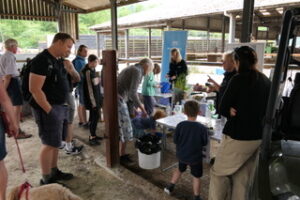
[(223, 33), (232, 27), (183, 24), (111, 107), (114, 24), (208, 34), (149, 42), (98, 44), (247, 20), (127, 43)]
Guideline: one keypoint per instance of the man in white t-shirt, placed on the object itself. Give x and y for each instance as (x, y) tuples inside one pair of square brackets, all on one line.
[(10, 75)]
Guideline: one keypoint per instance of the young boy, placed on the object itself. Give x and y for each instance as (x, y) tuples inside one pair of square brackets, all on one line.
[(190, 137)]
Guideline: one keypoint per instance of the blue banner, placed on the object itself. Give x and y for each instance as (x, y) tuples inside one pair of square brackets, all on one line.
[(172, 39)]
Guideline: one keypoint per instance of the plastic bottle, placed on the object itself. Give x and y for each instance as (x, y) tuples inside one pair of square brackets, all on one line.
[(209, 112), (177, 109), (168, 110)]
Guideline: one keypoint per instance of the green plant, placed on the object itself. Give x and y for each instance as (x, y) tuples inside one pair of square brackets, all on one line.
[(180, 82)]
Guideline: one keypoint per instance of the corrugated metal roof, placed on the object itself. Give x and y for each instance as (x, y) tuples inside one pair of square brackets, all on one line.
[(27, 10), (48, 10), (95, 5), (171, 10)]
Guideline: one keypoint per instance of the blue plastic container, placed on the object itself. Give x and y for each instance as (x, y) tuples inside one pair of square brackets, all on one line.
[(165, 87)]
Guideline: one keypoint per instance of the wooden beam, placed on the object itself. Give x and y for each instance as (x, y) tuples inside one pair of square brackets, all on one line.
[(28, 16), (111, 107)]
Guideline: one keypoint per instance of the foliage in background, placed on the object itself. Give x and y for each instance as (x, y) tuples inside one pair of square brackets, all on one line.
[(30, 33), (88, 20), (27, 33)]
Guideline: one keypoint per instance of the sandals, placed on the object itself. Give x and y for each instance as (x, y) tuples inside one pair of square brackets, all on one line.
[(23, 135)]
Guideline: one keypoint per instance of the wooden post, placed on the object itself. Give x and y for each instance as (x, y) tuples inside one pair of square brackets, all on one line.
[(247, 20), (149, 42), (98, 44), (208, 34), (111, 107), (223, 33), (127, 43), (114, 24), (232, 27)]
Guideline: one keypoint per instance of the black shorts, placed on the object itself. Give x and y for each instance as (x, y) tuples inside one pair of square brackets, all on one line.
[(14, 91), (52, 126), (196, 169), (2, 142)]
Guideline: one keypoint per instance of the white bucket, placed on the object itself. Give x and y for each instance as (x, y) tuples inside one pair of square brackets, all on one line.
[(149, 161)]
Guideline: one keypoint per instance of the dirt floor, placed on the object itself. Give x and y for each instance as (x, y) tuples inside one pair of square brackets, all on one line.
[(161, 178), (91, 181)]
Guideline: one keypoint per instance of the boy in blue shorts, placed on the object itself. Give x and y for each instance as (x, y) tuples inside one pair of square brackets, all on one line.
[(190, 137)]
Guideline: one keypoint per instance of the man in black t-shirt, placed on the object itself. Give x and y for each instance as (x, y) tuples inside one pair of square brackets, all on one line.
[(48, 84)]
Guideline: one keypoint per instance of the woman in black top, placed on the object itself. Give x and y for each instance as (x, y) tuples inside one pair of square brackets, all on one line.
[(92, 96), (244, 104), (177, 66), (177, 70)]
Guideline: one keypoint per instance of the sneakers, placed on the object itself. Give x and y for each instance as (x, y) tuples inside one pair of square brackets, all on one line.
[(169, 189), (59, 175), (93, 141), (63, 145), (84, 125), (74, 150)]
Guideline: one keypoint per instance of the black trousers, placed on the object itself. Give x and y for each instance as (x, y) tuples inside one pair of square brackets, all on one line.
[(94, 118)]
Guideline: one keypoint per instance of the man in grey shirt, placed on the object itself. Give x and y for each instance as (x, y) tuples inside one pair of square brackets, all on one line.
[(128, 82), (9, 73)]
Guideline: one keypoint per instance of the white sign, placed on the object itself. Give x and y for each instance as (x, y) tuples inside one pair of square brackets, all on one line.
[(259, 47)]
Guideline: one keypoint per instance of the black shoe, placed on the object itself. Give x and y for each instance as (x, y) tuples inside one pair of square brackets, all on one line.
[(74, 151), (80, 124), (94, 141), (62, 176), (126, 159), (51, 181)]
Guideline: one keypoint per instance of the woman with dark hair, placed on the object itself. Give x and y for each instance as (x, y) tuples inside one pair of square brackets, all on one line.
[(244, 105), (92, 96)]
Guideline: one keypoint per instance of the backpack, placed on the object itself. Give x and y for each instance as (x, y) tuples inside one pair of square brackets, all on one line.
[(27, 96)]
